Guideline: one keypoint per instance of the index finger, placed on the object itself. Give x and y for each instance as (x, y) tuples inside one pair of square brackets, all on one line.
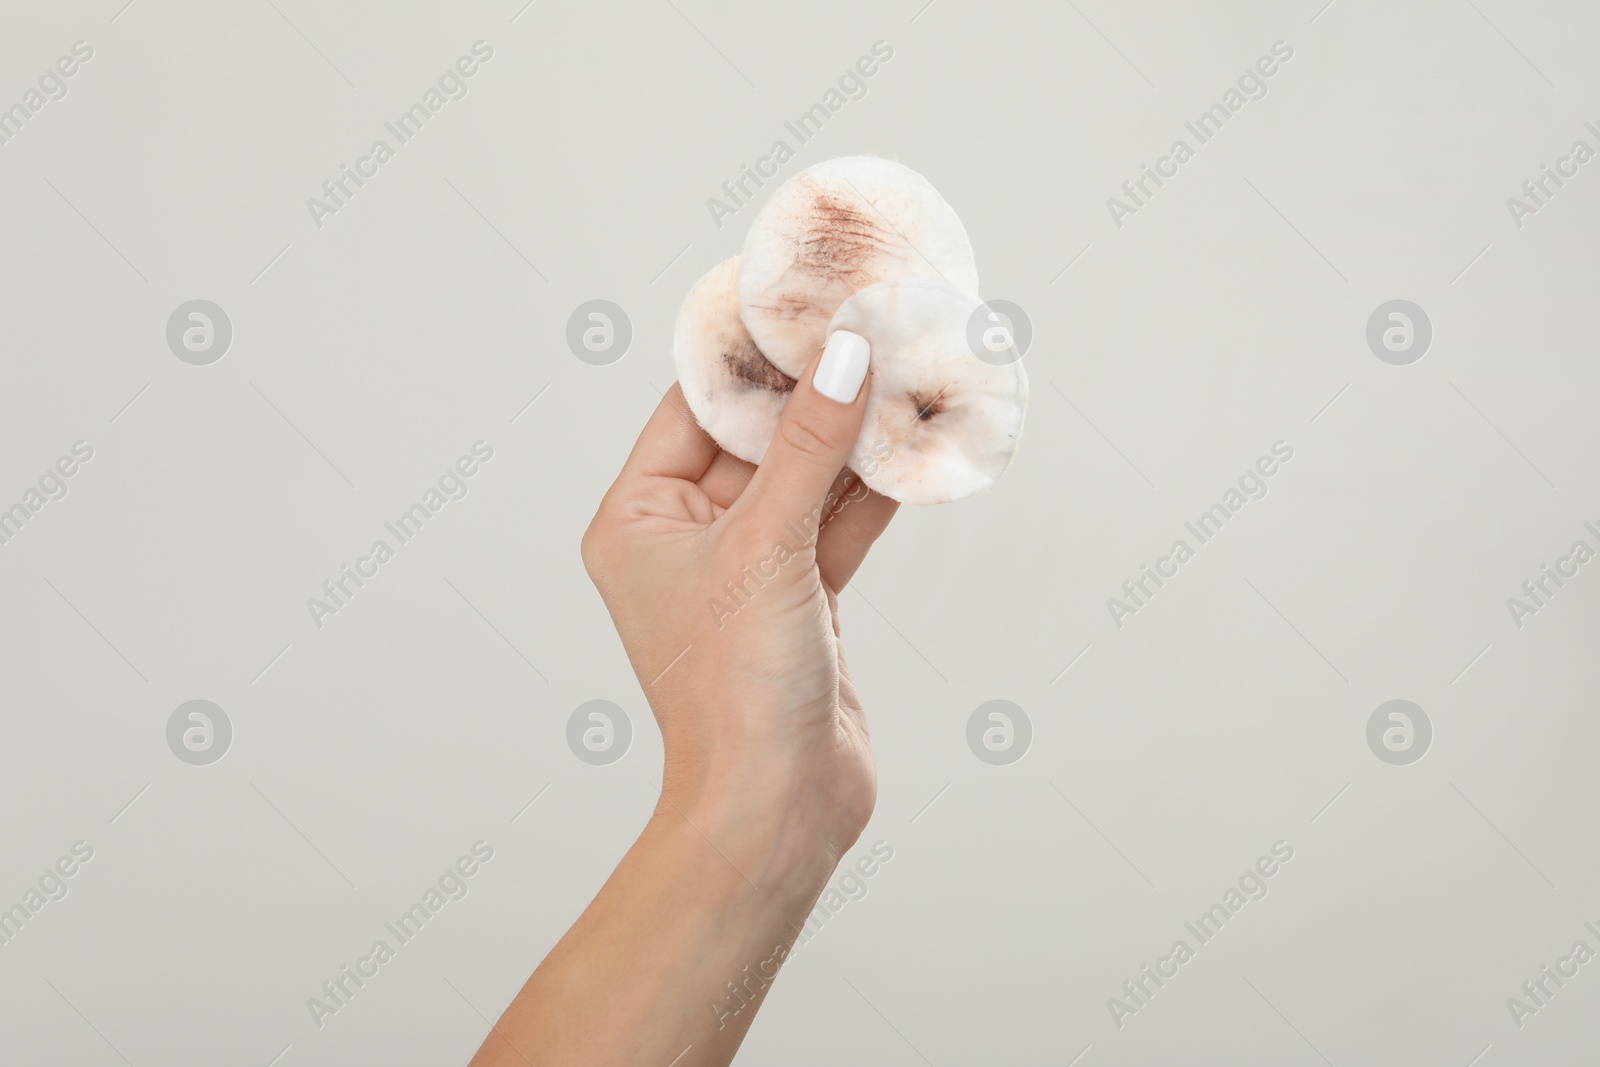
[(672, 444), (849, 533)]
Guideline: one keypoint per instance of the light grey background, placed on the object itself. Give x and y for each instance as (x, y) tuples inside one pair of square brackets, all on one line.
[(369, 354)]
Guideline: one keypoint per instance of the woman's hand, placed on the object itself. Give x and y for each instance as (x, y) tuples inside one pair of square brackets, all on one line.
[(723, 582)]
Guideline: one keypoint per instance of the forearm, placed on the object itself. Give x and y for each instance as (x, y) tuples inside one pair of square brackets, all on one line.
[(676, 952)]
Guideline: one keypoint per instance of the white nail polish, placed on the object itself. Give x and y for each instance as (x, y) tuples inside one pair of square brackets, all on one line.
[(843, 366)]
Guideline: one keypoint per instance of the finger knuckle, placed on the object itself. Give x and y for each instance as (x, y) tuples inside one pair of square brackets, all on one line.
[(855, 535), (807, 436)]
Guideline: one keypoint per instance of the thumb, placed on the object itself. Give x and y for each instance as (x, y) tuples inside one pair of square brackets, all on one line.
[(819, 427)]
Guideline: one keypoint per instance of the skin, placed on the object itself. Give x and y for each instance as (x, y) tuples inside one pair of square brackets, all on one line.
[(768, 775)]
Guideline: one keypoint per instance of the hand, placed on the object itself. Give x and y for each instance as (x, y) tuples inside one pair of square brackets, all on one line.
[(723, 582)]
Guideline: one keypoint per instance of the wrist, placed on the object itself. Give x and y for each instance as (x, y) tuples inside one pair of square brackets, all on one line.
[(770, 836)]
